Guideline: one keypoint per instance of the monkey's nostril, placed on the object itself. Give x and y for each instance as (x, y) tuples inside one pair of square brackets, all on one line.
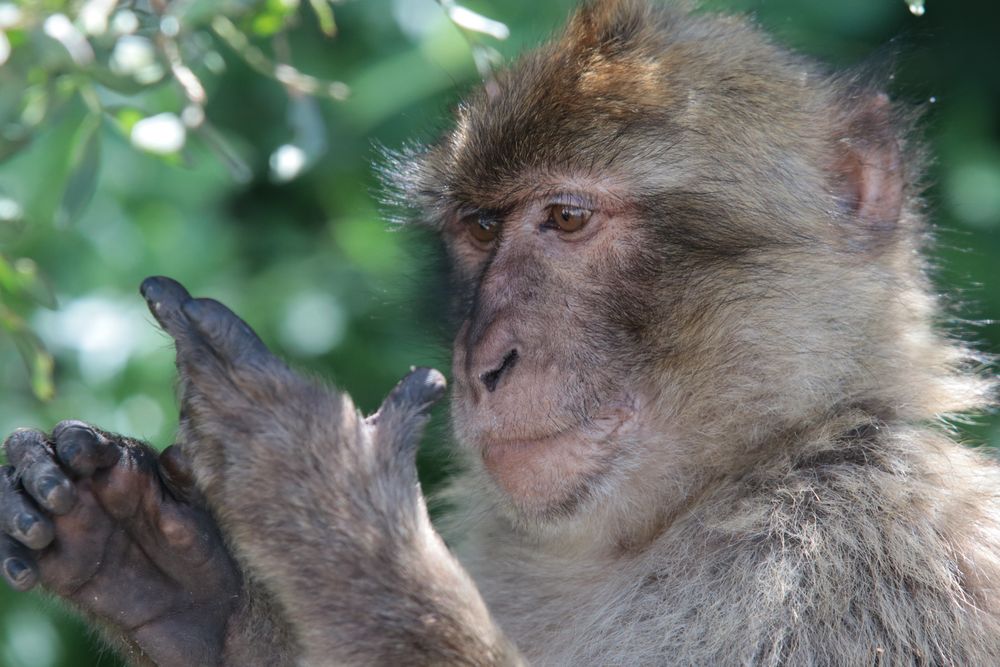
[(492, 378)]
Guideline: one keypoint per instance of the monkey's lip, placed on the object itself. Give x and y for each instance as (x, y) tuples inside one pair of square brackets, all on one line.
[(593, 430)]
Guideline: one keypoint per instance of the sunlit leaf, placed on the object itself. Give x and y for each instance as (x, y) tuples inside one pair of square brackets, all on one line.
[(84, 163), (5, 47), (162, 134), (470, 20), (8, 283), (273, 17), (125, 118), (324, 16), (16, 37)]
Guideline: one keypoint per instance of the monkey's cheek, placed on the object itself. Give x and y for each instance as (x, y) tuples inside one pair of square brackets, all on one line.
[(540, 475)]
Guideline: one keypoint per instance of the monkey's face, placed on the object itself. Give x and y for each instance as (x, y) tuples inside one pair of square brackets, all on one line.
[(553, 288)]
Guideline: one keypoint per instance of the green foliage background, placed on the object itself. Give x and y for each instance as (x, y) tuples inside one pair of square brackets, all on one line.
[(309, 262)]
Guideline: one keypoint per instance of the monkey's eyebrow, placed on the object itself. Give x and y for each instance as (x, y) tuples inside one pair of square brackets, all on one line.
[(567, 197), (490, 215), (574, 195)]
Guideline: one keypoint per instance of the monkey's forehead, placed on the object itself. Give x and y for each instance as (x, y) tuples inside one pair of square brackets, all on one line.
[(646, 92)]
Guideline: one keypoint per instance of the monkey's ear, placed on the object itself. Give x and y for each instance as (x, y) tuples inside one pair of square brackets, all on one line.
[(869, 175)]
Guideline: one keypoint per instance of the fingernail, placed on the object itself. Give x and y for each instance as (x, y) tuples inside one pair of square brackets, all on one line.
[(58, 497), (16, 569), (69, 452), (25, 522), (47, 487)]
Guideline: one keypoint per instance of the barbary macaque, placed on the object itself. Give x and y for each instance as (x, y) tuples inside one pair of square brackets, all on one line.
[(697, 386)]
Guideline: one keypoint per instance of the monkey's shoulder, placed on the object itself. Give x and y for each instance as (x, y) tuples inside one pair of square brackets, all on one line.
[(860, 547)]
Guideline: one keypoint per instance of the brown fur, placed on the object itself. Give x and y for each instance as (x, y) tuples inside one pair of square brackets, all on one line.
[(705, 428), (787, 494)]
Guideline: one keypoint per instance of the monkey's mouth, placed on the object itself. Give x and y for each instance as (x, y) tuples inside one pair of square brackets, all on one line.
[(600, 429)]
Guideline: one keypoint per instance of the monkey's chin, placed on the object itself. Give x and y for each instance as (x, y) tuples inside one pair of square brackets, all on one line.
[(552, 475)]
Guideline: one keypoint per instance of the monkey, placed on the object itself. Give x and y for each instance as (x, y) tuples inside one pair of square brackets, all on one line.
[(698, 385)]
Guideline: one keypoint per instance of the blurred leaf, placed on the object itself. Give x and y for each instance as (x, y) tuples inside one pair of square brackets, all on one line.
[(239, 169), (33, 284), (16, 37), (125, 118), (39, 362), (324, 16), (22, 279), (8, 280), (309, 140), (274, 17), (84, 164), (11, 219), (20, 114), (196, 12), (4, 47), (119, 83), (10, 147), (470, 20)]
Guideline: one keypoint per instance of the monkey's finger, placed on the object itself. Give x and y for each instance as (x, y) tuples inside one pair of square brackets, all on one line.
[(41, 476), (231, 338), (82, 448), (19, 568), (400, 420), (165, 297), (192, 321), (178, 473), (419, 390), (19, 517)]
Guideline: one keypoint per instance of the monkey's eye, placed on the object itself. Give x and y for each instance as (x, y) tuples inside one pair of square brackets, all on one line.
[(568, 218), (482, 228)]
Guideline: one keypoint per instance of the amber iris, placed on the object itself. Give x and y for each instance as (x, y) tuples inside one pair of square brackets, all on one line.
[(483, 229), (568, 218)]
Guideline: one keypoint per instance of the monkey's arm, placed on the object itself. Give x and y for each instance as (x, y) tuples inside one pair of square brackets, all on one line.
[(322, 505), (117, 531)]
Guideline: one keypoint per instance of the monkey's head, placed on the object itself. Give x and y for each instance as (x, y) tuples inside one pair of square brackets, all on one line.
[(673, 241)]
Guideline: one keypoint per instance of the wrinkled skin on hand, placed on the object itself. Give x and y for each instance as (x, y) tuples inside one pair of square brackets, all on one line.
[(321, 505), (105, 523), (245, 417)]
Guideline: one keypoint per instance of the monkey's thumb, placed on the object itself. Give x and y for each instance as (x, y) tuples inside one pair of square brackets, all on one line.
[(403, 413), (419, 390)]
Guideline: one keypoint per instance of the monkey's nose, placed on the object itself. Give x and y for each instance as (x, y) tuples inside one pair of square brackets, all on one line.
[(491, 379)]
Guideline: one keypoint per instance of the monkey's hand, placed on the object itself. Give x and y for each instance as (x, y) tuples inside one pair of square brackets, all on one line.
[(320, 503), (104, 522)]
